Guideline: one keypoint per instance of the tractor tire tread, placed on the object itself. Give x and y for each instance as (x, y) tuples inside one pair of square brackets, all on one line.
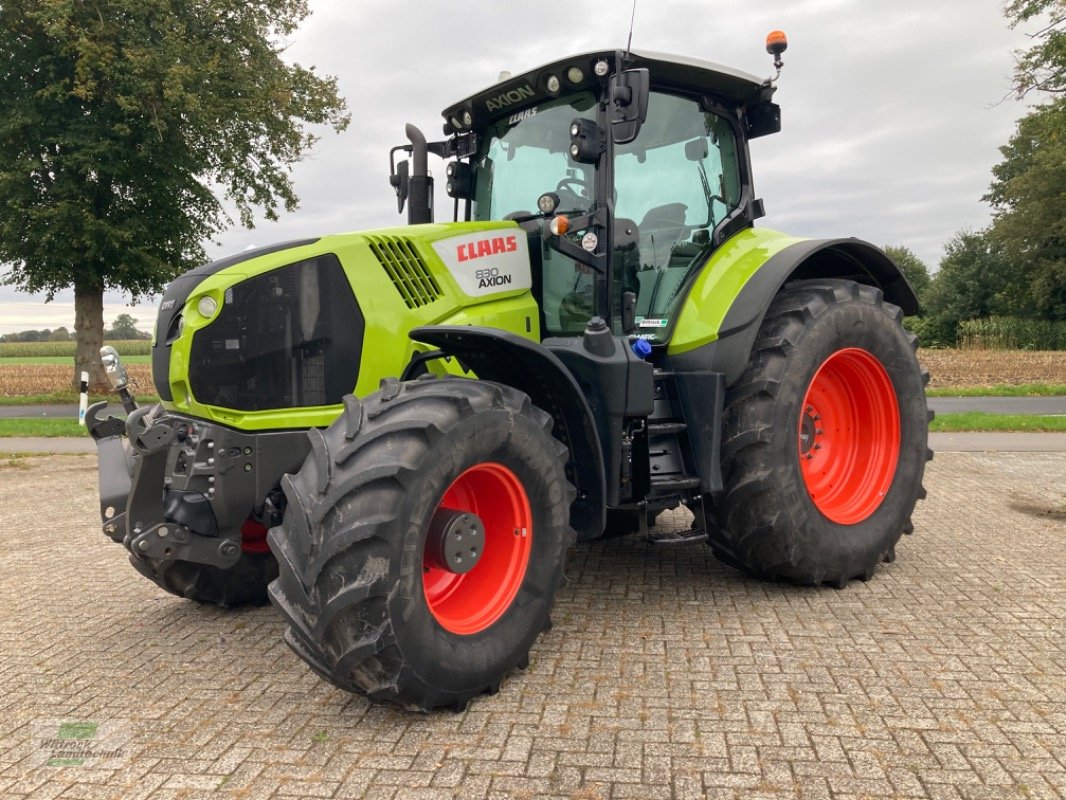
[(753, 507), (245, 583), (334, 585)]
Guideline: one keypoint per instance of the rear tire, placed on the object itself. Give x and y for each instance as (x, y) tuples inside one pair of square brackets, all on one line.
[(371, 606), (824, 439)]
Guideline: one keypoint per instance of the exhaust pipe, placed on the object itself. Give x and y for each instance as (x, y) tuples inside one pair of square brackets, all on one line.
[(420, 197)]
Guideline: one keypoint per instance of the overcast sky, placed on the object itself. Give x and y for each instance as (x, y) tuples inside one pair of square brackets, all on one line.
[(892, 111)]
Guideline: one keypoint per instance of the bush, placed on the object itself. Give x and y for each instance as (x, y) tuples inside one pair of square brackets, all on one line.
[(931, 331), (1012, 333), (132, 347)]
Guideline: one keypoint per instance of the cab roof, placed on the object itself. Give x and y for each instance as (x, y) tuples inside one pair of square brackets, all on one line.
[(667, 71)]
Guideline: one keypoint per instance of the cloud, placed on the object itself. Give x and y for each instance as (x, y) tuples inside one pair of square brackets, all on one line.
[(891, 110), (32, 315)]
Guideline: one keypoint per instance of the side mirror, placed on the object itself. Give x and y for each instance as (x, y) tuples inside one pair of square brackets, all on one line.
[(400, 182), (763, 118), (628, 93)]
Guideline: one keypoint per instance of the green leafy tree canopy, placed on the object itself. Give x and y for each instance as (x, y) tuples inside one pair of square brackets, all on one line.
[(116, 116), (124, 328), (973, 281), (1042, 66), (1028, 190), (914, 270), (1028, 196)]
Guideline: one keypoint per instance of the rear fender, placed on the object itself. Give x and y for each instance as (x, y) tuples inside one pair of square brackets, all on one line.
[(503, 357), (850, 259)]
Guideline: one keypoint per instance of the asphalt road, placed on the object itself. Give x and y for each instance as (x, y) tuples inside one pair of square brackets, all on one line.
[(999, 405), (941, 405)]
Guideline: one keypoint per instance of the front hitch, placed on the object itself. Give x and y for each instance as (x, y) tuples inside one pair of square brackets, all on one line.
[(115, 460), (148, 534)]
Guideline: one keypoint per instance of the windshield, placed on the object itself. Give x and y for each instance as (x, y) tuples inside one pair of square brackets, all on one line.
[(527, 154)]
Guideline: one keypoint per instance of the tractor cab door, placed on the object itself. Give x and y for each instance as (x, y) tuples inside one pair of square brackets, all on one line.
[(675, 184), (520, 157)]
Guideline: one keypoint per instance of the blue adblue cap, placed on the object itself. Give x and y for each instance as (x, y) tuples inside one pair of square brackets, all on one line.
[(642, 347)]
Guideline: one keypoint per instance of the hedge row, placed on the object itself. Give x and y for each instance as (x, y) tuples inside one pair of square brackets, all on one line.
[(1012, 333), (993, 333), (131, 347)]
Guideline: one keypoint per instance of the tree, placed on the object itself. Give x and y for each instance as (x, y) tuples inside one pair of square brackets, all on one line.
[(1041, 67), (116, 116), (1028, 196), (124, 327), (974, 281), (1027, 191), (914, 270)]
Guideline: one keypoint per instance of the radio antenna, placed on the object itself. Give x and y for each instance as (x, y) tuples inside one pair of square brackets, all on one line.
[(629, 42)]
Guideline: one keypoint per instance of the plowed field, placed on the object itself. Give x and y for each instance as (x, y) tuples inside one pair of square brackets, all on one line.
[(30, 379), (957, 368), (948, 368)]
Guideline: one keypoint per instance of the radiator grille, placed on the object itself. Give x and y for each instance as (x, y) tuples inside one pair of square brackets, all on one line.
[(407, 269)]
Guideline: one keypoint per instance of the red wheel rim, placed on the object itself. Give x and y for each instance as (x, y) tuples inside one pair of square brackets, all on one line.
[(849, 436), (254, 537), (471, 602)]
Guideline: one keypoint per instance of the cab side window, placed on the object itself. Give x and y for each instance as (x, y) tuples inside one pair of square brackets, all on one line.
[(676, 182)]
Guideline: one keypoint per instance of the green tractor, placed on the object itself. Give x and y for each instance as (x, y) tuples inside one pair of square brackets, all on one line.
[(396, 436)]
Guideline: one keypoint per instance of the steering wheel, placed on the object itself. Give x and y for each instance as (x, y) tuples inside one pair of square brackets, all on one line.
[(571, 192)]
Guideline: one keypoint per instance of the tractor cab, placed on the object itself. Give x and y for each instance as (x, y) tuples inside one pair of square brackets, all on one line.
[(626, 169)]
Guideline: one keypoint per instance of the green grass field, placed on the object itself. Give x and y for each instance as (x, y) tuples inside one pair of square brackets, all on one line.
[(945, 423), (980, 421), (47, 427)]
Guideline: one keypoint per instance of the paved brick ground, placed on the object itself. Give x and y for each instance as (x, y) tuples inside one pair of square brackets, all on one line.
[(666, 675)]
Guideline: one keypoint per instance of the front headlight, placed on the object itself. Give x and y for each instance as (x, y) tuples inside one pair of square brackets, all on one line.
[(207, 306)]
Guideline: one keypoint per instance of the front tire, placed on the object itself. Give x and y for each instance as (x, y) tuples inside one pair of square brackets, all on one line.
[(245, 583), (372, 580), (824, 439)]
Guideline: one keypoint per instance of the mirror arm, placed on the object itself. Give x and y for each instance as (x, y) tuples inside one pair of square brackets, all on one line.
[(596, 261)]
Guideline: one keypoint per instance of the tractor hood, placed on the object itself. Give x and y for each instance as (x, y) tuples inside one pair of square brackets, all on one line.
[(275, 337), (171, 307)]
